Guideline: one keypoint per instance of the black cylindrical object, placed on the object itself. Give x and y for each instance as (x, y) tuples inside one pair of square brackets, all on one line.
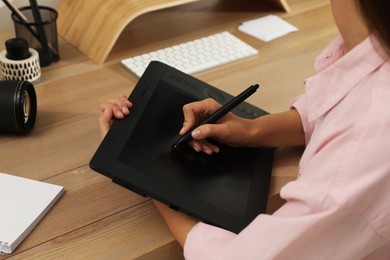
[(18, 106), (17, 49)]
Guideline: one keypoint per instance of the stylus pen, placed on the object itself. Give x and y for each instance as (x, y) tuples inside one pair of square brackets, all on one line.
[(214, 117)]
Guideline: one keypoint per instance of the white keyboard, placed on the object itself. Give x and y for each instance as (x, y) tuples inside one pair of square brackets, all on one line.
[(194, 56)]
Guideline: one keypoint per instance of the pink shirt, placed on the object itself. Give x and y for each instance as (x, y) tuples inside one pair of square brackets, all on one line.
[(339, 207)]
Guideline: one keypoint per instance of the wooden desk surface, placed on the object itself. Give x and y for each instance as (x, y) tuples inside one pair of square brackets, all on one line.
[(97, 219)]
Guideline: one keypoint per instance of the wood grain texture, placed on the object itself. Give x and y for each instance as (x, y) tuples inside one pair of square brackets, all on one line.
[(94, 26), (97, 219)]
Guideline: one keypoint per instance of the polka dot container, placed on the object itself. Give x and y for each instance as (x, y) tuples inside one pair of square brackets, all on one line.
[(27, 69)]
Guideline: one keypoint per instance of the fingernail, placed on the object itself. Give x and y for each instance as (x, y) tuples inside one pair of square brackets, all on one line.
[(119, 113), (125, 110), (197, 149), (207, 151), (196, 133)]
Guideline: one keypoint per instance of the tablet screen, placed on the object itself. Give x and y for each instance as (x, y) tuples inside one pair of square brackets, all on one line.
[(217, 179)]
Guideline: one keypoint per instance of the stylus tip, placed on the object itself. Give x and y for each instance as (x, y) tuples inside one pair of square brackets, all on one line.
[(177, 146), (178, 143)]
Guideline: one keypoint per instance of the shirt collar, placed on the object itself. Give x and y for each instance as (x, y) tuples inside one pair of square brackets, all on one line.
[(335, 80)]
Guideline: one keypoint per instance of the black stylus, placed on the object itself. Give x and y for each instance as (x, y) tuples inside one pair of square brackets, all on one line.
[(214, 117)]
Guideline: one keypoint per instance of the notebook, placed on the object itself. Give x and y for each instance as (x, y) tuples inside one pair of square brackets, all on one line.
[(228, 189), (24, 202)]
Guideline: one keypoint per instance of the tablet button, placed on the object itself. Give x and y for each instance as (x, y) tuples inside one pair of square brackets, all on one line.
[(214, 94)]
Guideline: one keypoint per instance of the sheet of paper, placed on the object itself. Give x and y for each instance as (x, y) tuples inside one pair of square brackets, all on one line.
[(267, 28), (24, 202)]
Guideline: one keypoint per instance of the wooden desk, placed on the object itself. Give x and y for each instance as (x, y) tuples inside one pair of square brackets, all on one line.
[(97, 219)]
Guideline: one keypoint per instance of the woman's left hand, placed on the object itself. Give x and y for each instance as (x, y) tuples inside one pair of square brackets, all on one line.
[(112, 109)]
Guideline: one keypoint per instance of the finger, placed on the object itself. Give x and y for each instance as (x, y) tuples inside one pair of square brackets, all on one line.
[(208, 148), (196, 111), (105, 121), (123, 104), (126, 101), (190, 117), (121, 101), (204, 146), (104, 125), (105, 110), (205, 131), (111, 109)]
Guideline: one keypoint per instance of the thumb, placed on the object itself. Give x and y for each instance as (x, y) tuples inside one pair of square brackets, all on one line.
[(105, 121)]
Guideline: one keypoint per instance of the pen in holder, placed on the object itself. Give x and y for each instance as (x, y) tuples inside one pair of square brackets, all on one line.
[(39, 28)]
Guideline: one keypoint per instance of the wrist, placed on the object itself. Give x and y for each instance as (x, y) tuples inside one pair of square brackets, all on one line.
[(257, 131)]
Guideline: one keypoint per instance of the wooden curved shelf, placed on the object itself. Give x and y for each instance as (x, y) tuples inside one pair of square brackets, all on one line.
[(94, 26)]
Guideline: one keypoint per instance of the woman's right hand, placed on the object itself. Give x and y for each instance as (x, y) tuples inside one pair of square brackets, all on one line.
[(230, 130)]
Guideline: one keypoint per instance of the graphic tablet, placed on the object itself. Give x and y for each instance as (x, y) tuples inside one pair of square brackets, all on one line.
[(228, 189)]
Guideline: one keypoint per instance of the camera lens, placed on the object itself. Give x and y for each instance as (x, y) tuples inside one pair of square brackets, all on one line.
[(18, 106)]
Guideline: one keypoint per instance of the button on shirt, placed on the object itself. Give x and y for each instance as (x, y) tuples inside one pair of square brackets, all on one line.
[(339, 207)]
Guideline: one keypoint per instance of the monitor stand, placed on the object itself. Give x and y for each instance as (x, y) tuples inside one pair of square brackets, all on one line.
[(94, 26)]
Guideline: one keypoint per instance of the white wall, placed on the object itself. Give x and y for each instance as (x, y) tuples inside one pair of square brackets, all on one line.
[(5, 13)]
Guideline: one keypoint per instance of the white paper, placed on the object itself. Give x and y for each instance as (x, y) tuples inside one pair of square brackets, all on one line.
[(23, 203), (267, 28)]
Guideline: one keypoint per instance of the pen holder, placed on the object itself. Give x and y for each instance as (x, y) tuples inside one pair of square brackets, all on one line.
[(41, 36)]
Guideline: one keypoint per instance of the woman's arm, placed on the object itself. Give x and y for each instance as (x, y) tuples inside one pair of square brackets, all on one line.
[(282, 129), (178, 223)]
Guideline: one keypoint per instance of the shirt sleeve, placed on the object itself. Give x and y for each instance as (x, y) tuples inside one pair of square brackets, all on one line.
[(298, 230), (300, 104)]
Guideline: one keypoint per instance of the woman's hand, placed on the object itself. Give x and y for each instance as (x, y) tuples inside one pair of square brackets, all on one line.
[(179, 223), (112, 109), (231, 129)]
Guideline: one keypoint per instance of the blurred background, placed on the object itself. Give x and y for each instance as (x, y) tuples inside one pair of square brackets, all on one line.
[(5, 13)]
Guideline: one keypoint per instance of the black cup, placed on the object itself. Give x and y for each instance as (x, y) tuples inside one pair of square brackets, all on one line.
[(41, 36), (18, 106)]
